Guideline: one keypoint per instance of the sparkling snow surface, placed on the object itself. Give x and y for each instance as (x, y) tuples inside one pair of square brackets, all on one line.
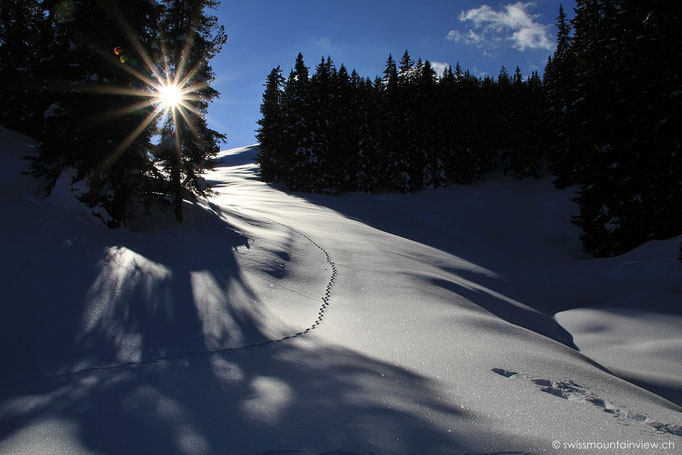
[(374, 324)]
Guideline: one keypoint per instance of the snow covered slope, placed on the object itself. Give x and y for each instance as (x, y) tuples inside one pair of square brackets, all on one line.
[(283, 323)]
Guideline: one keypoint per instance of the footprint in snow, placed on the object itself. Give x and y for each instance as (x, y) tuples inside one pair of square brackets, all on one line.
[(569, 390)]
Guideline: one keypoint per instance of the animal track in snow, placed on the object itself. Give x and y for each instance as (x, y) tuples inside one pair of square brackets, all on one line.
[(571, 391), (328, 288)]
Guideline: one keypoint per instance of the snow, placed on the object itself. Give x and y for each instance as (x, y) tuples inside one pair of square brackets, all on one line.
[(275, 322), (54, 110), (637, 338)]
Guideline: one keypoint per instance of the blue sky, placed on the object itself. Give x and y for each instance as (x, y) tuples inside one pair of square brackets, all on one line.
[(262, 34)]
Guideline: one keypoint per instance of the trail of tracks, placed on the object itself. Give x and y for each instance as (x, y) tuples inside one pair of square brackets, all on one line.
[(320, 317)]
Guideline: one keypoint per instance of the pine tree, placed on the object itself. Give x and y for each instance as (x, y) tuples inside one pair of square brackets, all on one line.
[(192, 39), (344, 108), (390, 73), (485, 110), (623, 100), (456, 113), (395, 176), (405, 74), (271, 131), (522, 153), (408, 163), (367, 124), (22, 31), (299, 157), (559, 86), (112, 54), (428, 125), (108, 148), (319, 174)]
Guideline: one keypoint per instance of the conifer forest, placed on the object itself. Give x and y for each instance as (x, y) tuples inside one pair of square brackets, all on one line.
[(606, 116), (83, 78)]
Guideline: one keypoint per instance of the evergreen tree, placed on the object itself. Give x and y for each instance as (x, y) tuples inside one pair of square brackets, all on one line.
[(395, 176), (488, 104), (458, 94), (522, 154), (298, 150), (408, 160), (192, 38), (405, 74), (407, 130), (369, 163), (109, 148), (320, 175), (342, 159), (428, 130), (622, 148), (22, 31), (390, 73), (112, 54), (559, 86), (271, 131)]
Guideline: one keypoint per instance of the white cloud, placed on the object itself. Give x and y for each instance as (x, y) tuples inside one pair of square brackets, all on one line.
[(477, 71), (439, 67), (323, 43), (486, 28), (470, 37)]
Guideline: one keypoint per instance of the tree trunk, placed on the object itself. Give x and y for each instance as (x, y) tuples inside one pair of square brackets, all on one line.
[(177, 191)]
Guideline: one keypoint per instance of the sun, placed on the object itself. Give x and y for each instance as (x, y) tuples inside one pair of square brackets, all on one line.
[(170, 95)]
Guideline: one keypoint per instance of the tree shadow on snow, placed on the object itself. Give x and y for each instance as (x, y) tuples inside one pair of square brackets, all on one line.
[(80, 375), (129, 296), (289, 396)]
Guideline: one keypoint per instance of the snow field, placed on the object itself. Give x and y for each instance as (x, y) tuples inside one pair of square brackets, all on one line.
[(431, 316)]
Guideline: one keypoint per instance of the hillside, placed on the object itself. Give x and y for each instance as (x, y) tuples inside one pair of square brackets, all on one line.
[(447, 321)]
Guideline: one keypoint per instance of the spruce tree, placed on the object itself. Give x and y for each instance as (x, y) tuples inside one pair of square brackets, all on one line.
[(560, 92), (108, 148), (271, 129), (344, 108), (103, 65), (367, 123), (395, 176), (622, 102), (522, 153), (428, 125), (405, 74), (298, 150), (22, 35), (192, 38), (318, 174)]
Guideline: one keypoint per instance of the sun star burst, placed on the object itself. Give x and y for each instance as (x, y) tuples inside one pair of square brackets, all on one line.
[(165, 85), (170, 95)]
